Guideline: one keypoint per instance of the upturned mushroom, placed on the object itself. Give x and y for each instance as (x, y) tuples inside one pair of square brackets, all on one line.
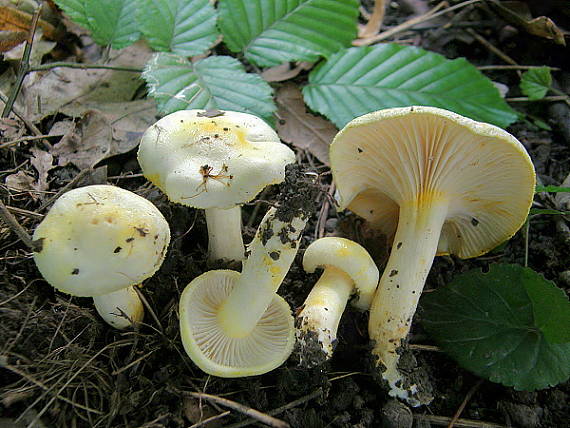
[(348, 269), (102, 241), (435, 183), (235, 325), (216, 161)]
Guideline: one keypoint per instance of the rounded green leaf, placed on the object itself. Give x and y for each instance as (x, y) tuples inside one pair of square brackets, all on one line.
[(359, 80), (111, 22), (270, 32), (535, 83), (510, 326), (216, 82), (185, 27)]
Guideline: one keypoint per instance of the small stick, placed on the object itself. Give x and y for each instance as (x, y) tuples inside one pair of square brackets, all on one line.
[(24, 212), (53, 65), (324, 214), (24, 63), (375, 20), (26, 139), (418, 347), (491, 47), (464, 403), (248, 411), (460, 423), (210, 419), (17, 228), (149, 308), (512, 67), (552, 98)]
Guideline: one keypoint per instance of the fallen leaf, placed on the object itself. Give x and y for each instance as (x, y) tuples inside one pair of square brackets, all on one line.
[(518, 13), (42, 161), (20, 181), (196, 411), (89, 142), (300, 128), (11, 129), (11, 39), (284, 71), (12, 19), (68, 90), (40, 48)]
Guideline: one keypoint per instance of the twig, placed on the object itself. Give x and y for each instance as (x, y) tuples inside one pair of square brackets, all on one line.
[(24, 63), (464, 403), (149, 308), (492, 48), (25, 213), (132, 363), (324, 213), (53, 65), (512, 67), (210, 419), (460, 423), (20, 116), (248, 411), (17, 228), (433, 13), (418, 347), (278, 410), (552, 98), (375, 20), (65, 188), (26, 139)]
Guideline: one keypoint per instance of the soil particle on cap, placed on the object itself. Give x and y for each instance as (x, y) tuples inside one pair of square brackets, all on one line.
[(75, 271), (274, 255), (117, 250), (210, 113), (143, 231), (38, 245)]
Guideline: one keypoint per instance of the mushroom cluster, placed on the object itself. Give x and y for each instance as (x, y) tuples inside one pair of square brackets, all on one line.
[(432, 181)]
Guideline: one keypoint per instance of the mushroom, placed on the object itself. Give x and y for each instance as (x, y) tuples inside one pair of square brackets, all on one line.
[(102, 241), (216, 161), (347, 268), (235, 325), (437, 183)]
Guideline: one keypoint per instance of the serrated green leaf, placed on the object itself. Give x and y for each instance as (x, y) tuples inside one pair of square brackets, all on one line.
[(356, 81), (216, 82), (536, 82), (75, 9), (552, 189), (498, 325), (185, 27), (270, 32), (111, 22)]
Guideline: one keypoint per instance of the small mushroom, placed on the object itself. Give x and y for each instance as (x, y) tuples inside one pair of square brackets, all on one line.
[(347, 268), (101, 241), (215, 161), (435, 183), (235, 325)]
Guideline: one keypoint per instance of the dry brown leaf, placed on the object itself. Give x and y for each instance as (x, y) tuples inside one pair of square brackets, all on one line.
[(20, 181), (42, 161), (302, 129), (40, 48), (89, 142), (69, 90), (11, 39), (284, 71), (196, 411), (11, 129), (518, 13), (12, 19)]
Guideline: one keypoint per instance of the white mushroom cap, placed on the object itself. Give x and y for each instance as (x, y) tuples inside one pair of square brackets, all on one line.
[(385, 158), (214, 160), (99, 239), (267, 346), (350, 258)]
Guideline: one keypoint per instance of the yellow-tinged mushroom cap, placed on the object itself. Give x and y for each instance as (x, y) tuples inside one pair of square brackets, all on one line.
[(214, 159), (348, 257), (99, 239), (405, 155), (212, 349)]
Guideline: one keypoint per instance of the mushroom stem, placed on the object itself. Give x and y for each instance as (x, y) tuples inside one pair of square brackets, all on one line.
[(271, 253), (324, 307), (120, 309), (394, 304), (224, 234)]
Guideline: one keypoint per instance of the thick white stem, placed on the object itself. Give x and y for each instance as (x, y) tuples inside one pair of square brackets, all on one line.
[(120, 309), (271, 253), (395, 302), (324, 307), (224, 234)]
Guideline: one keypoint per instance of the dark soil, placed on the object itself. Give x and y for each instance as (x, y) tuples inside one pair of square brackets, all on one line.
[(61, 366)]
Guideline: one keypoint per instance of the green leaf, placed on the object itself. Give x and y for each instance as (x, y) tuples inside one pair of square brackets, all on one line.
[(510, 326), (185, 27), (537, 211), (552, 189), (536, 82), (356, 81), (216, 82), (270, 32), (75, 9), (111, 22)]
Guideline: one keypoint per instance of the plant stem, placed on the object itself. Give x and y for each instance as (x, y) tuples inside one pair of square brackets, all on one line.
[(271, 254), (225, 239), (395, 302)]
